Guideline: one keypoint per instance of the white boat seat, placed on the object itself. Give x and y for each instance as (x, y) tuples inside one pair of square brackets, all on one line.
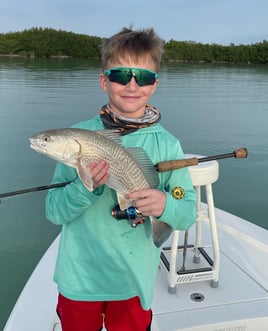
[(203, 175)]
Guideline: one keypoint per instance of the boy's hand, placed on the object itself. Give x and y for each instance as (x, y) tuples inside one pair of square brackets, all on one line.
[(99, 172), (149, 202)]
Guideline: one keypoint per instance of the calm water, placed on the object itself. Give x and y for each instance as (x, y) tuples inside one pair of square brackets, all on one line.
[(212, 109)]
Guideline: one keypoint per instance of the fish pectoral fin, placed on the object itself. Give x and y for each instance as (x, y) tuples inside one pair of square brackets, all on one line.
[(85, 176), (123, 202), (160, 231)]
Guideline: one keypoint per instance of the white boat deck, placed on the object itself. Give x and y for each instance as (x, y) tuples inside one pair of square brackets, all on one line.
[(237, 296), (240, 303), (241, 300)]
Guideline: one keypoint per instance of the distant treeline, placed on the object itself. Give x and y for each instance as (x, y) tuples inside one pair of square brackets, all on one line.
[(214, 53), (47, 42)]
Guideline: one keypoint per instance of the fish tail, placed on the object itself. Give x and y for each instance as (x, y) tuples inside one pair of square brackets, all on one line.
[(160, 231)]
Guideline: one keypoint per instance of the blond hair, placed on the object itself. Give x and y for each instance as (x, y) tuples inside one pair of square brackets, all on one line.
[(132, 44)]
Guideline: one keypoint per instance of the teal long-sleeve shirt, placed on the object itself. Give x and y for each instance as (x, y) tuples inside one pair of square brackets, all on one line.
[(100, 258)]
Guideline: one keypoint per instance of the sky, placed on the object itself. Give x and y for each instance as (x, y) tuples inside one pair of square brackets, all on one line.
[(206, 21)]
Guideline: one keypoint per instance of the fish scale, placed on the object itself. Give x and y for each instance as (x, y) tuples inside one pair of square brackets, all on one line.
[(130, 169), (120, 162)]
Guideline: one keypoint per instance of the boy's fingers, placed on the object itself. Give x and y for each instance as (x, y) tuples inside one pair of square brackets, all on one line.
[(137, 195)]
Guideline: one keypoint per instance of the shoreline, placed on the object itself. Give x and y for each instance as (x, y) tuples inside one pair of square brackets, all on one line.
[(95, 58)]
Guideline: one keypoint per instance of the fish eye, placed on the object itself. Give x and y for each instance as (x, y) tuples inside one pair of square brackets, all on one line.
[(46, 138)]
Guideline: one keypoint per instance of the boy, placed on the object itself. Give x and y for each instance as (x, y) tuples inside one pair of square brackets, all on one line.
[(106, 269)]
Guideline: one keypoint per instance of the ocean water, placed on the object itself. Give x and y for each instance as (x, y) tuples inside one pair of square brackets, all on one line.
[(212, 109)]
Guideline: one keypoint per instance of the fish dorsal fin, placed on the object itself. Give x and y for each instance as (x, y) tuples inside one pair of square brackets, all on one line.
[(145, 164), (113, 135)]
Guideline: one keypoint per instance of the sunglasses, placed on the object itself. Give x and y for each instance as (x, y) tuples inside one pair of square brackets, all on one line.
[(123, 76)]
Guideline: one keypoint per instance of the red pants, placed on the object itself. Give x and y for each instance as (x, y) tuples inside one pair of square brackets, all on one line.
[(125, 315)]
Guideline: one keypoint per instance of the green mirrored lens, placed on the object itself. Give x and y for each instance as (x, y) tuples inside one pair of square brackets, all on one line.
[(123, 76)]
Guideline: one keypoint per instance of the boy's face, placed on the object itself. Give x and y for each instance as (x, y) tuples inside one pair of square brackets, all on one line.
[(129, 100)]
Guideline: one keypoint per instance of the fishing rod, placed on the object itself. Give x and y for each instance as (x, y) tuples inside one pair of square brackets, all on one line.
[(177, 164), (33, 189), (160, 167)]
